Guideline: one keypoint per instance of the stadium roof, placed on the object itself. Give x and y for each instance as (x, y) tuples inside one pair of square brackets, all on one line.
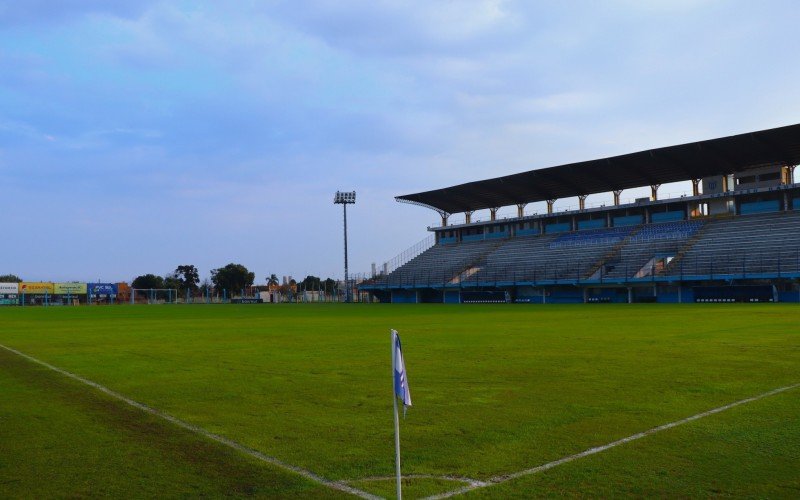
[(726, 155)]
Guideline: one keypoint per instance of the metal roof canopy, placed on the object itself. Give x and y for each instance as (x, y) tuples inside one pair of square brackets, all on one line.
[(726, 155)]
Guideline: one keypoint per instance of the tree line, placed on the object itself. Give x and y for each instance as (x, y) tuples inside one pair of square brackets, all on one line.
[(232, 277)]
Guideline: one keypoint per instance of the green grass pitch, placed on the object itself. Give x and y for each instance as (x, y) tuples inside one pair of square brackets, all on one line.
[(496, 388)]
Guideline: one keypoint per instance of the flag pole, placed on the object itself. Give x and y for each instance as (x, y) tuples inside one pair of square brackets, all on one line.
[(396, 420)]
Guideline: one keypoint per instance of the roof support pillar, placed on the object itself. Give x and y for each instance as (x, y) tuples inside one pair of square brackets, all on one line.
[(550, 206), (444, 215), (696, 187), (725, 183), (521, 209), (468, 216), (582, 201), (787, 174), (493, 213), (617, 192), (654, 191)]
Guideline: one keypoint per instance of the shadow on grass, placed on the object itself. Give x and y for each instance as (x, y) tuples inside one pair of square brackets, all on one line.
[(231, 473)]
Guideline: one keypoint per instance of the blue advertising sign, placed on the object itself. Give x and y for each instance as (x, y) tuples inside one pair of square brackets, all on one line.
[(102, 288)]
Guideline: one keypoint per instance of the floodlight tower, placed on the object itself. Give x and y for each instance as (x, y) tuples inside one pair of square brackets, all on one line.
[(345, 198)]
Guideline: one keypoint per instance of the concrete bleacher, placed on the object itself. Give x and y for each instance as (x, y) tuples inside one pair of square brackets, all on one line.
[(439, 264), (644, 250), (543, 258), (592, 237), (750, 244)]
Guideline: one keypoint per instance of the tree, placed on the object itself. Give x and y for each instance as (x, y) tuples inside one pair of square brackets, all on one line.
[(148, 281), (173, 281), (233, 277), (11, 278), (272, 282), (311, 283), (329, 285), (188, 277)]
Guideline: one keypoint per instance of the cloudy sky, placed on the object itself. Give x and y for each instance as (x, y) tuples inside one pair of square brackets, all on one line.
[(136, 136)]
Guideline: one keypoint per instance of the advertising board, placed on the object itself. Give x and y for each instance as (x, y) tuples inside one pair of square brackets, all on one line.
[(9, 288), (102, 288), (35, 287), (70, 288)]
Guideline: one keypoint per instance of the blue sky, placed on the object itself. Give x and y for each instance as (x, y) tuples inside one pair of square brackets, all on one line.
[(137, 136)]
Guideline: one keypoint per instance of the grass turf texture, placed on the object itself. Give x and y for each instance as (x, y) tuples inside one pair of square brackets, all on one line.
[(496, 389)]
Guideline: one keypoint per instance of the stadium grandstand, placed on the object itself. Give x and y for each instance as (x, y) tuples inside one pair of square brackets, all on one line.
[(734, 238)]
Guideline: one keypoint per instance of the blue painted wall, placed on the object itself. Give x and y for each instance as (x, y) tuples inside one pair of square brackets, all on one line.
[(471, 237), (527, 232), (452, 297), (628, 220), (444, 241), (495, 235), (565, 297), (591, 224), (404, 297), (667, 216), (557, 228), (756, 207)]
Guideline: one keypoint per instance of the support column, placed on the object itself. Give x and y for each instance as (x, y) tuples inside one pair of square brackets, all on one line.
[(550, 206), (582, 201), (724, 183), (616, 196), (630, 295), (521, 209), (468, 216), (493, 213), (654, 191), (444, 216), (696, 187), (787, 175)]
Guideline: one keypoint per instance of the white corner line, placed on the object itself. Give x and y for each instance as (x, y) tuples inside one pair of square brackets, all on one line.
[(457, 479), (336, 485), (591, 451)]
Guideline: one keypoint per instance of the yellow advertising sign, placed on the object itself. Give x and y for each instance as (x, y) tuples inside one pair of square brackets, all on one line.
[(35, 287), (70, 288)]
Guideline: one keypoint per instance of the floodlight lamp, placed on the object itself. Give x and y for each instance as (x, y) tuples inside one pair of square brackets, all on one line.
[(345, 197)]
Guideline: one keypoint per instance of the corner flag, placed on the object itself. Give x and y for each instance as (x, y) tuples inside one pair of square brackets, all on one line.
[(402, 393), (400, 377)]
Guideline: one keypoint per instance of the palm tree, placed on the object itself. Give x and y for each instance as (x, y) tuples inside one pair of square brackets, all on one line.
[(272, 281)]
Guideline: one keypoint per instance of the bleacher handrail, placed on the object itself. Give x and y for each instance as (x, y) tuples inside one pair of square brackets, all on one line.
[(409, 253)]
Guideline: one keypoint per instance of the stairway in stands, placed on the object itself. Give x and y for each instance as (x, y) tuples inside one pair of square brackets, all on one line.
[(612, 255)]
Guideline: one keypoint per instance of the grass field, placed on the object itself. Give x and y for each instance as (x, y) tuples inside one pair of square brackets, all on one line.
[(497, 389)]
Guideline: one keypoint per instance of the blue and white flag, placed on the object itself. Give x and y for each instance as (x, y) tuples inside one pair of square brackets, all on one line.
[(400, 375)]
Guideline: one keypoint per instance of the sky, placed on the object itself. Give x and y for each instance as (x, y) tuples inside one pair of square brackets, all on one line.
[(137, 136)]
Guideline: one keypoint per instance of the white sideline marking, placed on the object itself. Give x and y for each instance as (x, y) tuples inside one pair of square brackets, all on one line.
[(591, 451), (202, 432)]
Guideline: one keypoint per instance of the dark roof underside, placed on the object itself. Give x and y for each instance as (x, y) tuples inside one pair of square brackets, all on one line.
[(726, 155)]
